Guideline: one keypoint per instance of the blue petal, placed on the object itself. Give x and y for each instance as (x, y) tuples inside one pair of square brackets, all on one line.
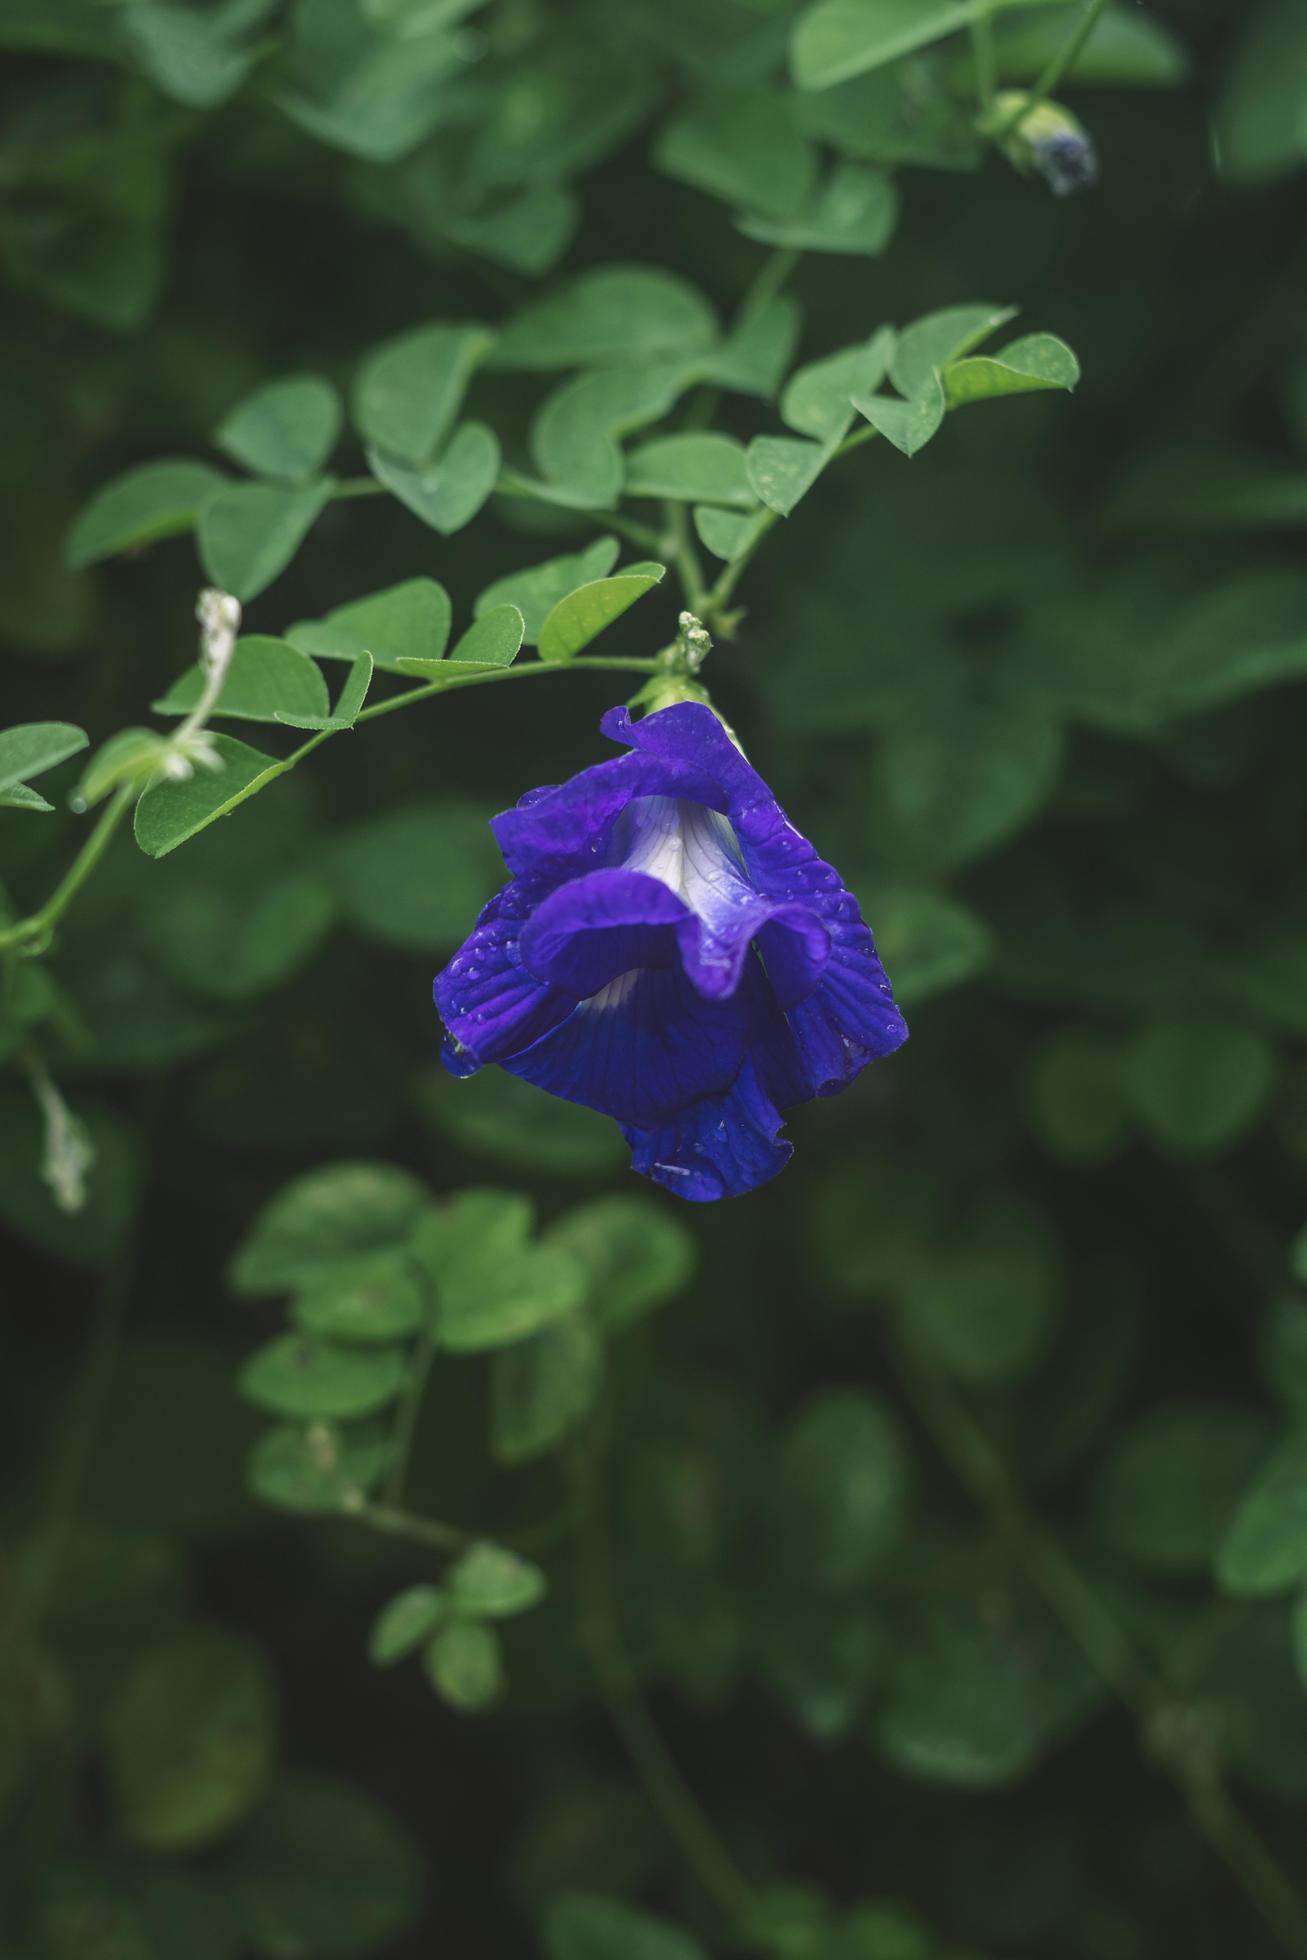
[(490, 1004), (562, 832), (641, 1050), (595, 928), (719, 1147)]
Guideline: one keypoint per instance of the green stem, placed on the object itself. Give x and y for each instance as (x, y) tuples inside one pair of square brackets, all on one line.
[(719, 594), (358, 486), (982, 55), (642, 534), (669, 1795), (1061, 64), (387, 1518), (983, 1472), (40, 923), (685, 557), (410, 1407)]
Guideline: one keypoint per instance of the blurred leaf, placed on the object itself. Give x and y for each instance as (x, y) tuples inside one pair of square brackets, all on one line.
[(407, 395), (909, 425), (326, 1225), (1168, 1489), (542, 1386), (1264, 1549), (818, 399), (936, 340), (1127, 49), (465, 1666), (415, 877), (170, 812), (582, 616), (446, 494), (494, 1286), (316, 1469), (298, 1375), (185, 54), (95, 1234), (927, 941), (581, 1926), (753, 357), (537, 590), (723, 532), (381, 1301), (529, 233), (404, 1623), (691, 468), (410, 620), (986, 1301), (822, 1666), (131, 756), (855, 210), (248, 533), (781, 470), (495, 1115), (963, 773), (740, 145), (490, 1582), (1198, 1082), (836, 39), (837, 1493), (190, 1738), (266, 678), (1238, 1667), (322, 1870), (636, 1252), (626, 315), (153, 501), (234, 941), (1075, 1096), (1259, 119), (286, 429), (35, 747)]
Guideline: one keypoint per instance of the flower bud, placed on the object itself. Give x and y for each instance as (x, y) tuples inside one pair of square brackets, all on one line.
[(1049, 141), (219, 615)]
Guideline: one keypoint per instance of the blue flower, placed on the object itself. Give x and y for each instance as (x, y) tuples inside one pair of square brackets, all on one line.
[(671, 951)]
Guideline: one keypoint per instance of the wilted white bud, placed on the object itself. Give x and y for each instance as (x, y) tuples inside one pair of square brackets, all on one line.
[(68, 1153), (219, 615)]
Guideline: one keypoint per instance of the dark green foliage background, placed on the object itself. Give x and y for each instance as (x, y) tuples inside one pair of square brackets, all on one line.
[(955, 1505)]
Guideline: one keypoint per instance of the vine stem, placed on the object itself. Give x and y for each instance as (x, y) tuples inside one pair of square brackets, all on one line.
[(720, 593), (983, 1472), (396, 1523), (668, 1793), (1062, 62), (410, 1407), (37, 924), (982, 55)]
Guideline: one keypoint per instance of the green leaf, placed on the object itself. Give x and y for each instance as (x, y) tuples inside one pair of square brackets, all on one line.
[(495, 1115), (493, 1285), (960, 773), (95, 1234), (723, 532), (1259, 121), (938, 339), (782, 470), (838, 1491), (300, 1376), (755, 354), (909, 425), (1167, 1491), (583, 614), (407, 395), (527, 234), (317, 1470), (321, 1870), (249, 533), (836, 39), (382, 1300), (406, 621), (854, 211), (465, 1666), (1075, 1096), (235, 939), (287, 429), (349, 702), (574, 438), (541, 1387), (581, 1926), (35, 747), (414, 876), (818, 399), (266, 680), (537, 590), (690, 468), (190, 1740), (325, 1226), (489, 1582), (1127, 49), (1264, 1549), (446, 494), (1023, 367), (185, 55), (154, 501), (622, 314), (405, 1623), (927, 941), (493, 640), (1198, 1082), (171, 812), (22, 798), (987, 1302), (132, 755), (635, 1252), (740, 145)]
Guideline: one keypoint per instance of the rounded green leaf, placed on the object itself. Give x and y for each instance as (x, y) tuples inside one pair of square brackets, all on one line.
[(408, 394), (170, 812), (583, 614), (416, 877), (1265, 1548), (35, 747), (489, 1582), (190, 1737), (542, 1386), (249, 532), (740, 145), (629, 315), (316, 1468), (325, 1225), (298, 1375), (266, 678), (405, 1622), (692, 468), (406, 621), (837, 1493), (538, 589), (636, 1252), (157, 500), (986, 1302), (380, 1300), (1169, 1488), (287, 429), (448, 493), (465, 1666), (1198, 1082)]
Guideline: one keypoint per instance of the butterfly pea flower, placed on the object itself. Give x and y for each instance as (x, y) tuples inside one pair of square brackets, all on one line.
[(671, 951)]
